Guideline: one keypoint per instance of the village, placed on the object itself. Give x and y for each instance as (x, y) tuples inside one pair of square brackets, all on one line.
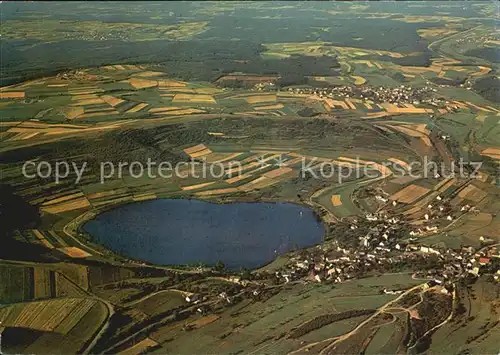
[(380, 252), (389, 243), (375, 244), (403, 99)]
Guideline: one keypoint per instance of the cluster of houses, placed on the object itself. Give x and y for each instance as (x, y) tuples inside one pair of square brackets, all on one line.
[(463, 262), (383, 243), (382, 249), (402, 94)]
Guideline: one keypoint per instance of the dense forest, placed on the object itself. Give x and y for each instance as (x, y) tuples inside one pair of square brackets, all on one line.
[(233, 42)]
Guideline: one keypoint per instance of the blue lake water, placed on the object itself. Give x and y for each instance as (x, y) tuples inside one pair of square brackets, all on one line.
[(180, 231)]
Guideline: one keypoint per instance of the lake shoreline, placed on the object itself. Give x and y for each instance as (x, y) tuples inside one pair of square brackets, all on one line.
[(95, 215)]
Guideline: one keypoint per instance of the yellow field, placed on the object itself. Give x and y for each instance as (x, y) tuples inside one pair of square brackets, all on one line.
[(412, 133), (63, 198), (197, 186), (144, 197), (96, 195), (277, 54), (45, 315), (187, 111), (221, 157), (195, 148), (194, 98), (140, 348), (181, 90), (74, 252), (460, 105), (436, 32), (200, 153), (482, 176), (56, 85), (429, 18), (142, 83), (391, 108), (477, 107), (255, 169), (470, 192), (77, 313), (319, 47), (350, 104), (385, 171), (343, 164), (355, 160), (336, 103), (260, 98), (6, 103), (147, 74), (269, 107), (111, 100), (491, 152), (292, 161), (481, 116), (261, 182), (377, 115), (366, 62), (42, 239), (419, 70), (409, 194), (59, 315), (278, 172), (482, 71), (216, 134), (66, 206), (358, 80), (11, 94), (228, 190), (336, 200), (137, 108), (23, 136), (126, 67), (84, 97), (208, 91), (170, 83), (400, 163), (255, 184), (237, 178)]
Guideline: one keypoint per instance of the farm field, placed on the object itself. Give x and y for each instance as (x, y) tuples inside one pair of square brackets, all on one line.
[(68, 322)]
